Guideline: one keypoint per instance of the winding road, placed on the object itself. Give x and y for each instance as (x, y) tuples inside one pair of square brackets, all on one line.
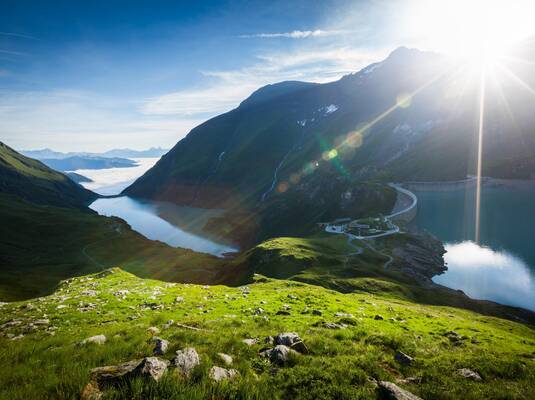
[(388, 219)]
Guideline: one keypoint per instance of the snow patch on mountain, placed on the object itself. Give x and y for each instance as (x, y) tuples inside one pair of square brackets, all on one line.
[(328, 109)]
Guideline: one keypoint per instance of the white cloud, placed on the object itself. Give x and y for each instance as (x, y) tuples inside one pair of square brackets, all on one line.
[(228, 88), (295, 34)]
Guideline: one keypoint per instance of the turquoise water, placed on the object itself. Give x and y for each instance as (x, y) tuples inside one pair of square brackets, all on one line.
[(502, 266), (158, 221)]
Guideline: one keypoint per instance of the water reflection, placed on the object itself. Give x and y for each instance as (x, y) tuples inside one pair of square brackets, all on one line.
[(144, 218), (484, 273)]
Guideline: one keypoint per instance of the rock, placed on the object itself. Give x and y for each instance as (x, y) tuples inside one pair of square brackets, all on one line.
[(153, 330), (292, 296), (287, 338), (61, 306), (110, 376), (269, 340), (219, 374), (469, 374), (332, 325), (250, 342), (391, 391), (186, 360), (151, 367), (282, 312), (161, 347), (168, 324), (378, 317), (43, 321), (258, 311), (403, 358), (317, 312), (278, 355), (179, 299), (343, 315), (98, 339), (300, 347), (225, 358)]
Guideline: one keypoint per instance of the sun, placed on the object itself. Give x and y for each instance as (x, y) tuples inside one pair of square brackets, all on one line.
[(479, 31)]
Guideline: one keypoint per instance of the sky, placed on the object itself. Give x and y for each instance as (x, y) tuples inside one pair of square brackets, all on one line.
[(96, 75)]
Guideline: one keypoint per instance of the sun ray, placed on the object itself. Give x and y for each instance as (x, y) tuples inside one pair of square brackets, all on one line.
[(480, 153)]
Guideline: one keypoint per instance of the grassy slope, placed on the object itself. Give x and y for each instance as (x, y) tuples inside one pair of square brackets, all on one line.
[(41, 245), (31, 180), (340, 364), (322, 260)]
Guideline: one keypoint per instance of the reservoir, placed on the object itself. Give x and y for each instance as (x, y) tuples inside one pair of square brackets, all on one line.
[(502, 266)]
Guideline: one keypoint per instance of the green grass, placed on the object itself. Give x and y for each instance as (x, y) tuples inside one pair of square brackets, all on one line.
[(42, 245), (340, 365)]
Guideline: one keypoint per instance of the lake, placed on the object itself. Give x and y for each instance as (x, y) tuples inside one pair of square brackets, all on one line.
[(502, 266), (177, 226)]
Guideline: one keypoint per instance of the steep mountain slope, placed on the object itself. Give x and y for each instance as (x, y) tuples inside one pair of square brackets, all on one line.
[(413, 116), (33, 181)]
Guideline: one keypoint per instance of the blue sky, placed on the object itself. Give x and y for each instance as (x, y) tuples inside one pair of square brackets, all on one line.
[(94, 75)]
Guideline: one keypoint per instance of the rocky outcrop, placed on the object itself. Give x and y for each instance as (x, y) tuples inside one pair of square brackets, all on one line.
[(391, 391)]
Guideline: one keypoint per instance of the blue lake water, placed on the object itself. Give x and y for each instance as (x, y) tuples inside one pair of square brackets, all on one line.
[(168, 223), (502, 266)]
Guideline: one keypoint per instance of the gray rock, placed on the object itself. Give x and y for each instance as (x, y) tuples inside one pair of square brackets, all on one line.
[(332, 325), (179, 299), (403, 358), (151, 367), (278, 355), (292, 296), (225, 358), (378, 317), (153, 330), (287, 338), (300, 347), (343, 315), (186, 360), (317, 312), (98, 339), (469, 374), (258, 311), (282, 312), (219, 374), (250, 342), (161, 346), (391, 391)]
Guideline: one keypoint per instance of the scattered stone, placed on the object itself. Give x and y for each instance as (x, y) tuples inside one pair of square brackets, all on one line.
[(317, 312), (161, 347), (43, 321), (391, 391), (179, 299), (278, 355), (469, 374), (269, 340), (61, 306), (225, 358), (282, 312), (18, 337), (378, 317), (98, 339), (219, 374), (151, 367), (345, 315), (403, 358), (186, 360), (332, 325), (292, 296), (258, 311), (250, 342), (153, 330), (168, 324), (287, 338)]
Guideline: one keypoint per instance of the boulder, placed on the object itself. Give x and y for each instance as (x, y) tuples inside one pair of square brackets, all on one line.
[(98, 339), (378, 317), (151, 367), (469, 374), (287, 338), (332, 325), (391, 391), (225, 358), (317, 312), (250, 342), (219, 374), (161, 346), (403, 358), (279, 354), (186, 360)]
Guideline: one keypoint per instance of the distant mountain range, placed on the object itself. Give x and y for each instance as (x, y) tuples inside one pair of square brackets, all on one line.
[(413, 116), (120, 153), (87, 162)]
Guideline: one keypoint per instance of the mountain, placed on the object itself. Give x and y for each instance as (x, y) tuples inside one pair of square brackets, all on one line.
[(413, 116), (120, 153), (86, 162), (34, 182)]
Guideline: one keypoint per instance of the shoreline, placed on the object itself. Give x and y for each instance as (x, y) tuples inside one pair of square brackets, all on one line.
[(468, 183)]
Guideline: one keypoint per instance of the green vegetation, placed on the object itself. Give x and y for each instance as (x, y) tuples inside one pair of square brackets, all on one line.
[(42, 245), (33, 181), (48, 361)]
